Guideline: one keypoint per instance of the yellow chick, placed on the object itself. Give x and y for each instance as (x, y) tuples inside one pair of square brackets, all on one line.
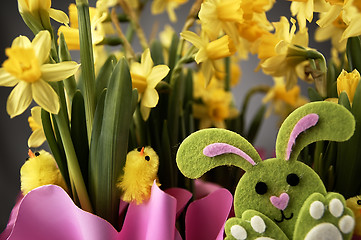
[(140, 171), (40, 169), (355, 204)]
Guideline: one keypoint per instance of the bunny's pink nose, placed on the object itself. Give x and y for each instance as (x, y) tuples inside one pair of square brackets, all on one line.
[(280, 202)]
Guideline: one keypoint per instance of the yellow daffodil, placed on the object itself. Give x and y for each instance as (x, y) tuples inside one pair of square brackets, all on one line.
[(289, 52), (36, 12), (217, 16), (37, 138), (344, 14), (27, 68), (334, 32), (304, 10), (347, 82), (216, 108), (255, 20), (159, 6), (209, 52), (283, 101), (71, 33), (166, 36), (145, 78), (200, 88)]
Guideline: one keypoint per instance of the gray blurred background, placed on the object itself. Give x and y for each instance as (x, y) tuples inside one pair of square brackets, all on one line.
[(15, 132)]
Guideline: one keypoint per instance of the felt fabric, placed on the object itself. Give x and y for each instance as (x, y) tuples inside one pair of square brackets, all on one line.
[(335, 123), (329, 225), (253, 225), (302, 125), (193, 163), (280, 202), (283, 204), (216, 149)]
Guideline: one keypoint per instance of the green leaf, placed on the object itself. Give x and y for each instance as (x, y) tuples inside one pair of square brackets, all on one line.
[(79, 135), (87, 61), (94, 170), (349, 156), (113, 141), (58, 152), (331, 80), (104, 74), (167, 168), (344, 101), (64, 55), (172, 54), (353, 50), (174, 108), (256, 123), (156, 50), (314, 95)]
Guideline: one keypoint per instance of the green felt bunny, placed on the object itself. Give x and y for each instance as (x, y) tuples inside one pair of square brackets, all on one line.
[(279, 198)]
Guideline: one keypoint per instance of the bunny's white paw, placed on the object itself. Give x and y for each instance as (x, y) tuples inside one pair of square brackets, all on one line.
[(324, 218), (253, 225)]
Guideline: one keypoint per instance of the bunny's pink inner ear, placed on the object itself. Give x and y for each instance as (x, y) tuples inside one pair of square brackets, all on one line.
[(302, 125), (216, 149)]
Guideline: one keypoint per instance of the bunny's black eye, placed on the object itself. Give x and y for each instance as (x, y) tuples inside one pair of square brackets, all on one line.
[(261, 188), (293, 179)]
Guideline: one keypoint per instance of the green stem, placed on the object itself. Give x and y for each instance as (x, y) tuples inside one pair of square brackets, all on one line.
[(227, 84), (73, 165), (86, 57)]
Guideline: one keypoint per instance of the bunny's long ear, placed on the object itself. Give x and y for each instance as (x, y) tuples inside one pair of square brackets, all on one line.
[(317, 121), (210, 148)]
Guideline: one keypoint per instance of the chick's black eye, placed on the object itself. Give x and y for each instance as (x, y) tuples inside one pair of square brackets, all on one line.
[(147, 158), (358, 202), (139, 149), (261, 188), (37, 154), (293, 179)]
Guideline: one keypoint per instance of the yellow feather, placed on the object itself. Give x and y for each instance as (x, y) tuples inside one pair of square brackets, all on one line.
[(140, 171), (40, 169)]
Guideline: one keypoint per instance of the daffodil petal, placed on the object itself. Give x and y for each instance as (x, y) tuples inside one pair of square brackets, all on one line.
[(21, 41), (36, 139), (59, 16), (208, 71), (6, 79), (156, 75), (23, 6), (331, 15), (171, 13), (45, 96), (354, 29), (144, 111), (158, 6), (201, 56), (150, 98), (147, 62), (36, 114), (193, 38), (58, 71), (19, 99), (42, 44), (136, 68)]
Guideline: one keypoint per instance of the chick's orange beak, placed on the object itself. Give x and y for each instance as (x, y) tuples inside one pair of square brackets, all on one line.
[(31, 154), (142, 151)]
